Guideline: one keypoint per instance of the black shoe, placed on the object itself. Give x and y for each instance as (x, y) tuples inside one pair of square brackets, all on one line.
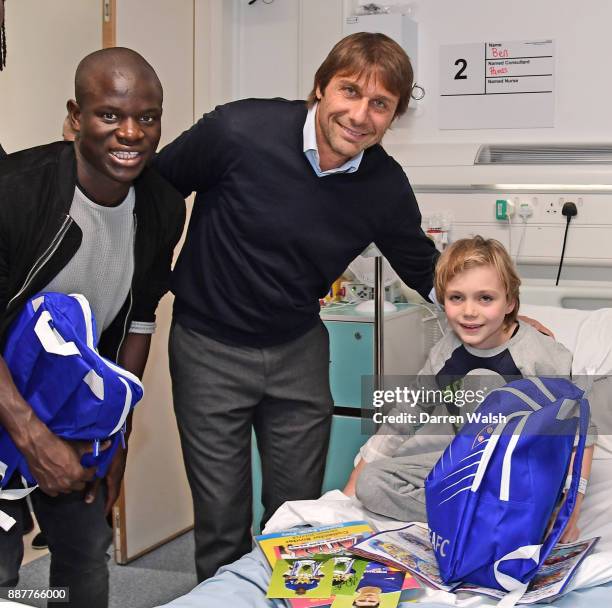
[(40, 541)]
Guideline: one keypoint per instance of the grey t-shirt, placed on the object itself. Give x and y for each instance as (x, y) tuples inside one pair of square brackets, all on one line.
[(103, 267)]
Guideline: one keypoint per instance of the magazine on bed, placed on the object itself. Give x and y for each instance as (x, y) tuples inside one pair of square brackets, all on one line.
[(313, 567), (336, 579), (409, 549), (306, 542)]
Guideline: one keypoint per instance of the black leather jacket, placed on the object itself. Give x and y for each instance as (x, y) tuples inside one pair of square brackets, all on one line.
[(38, 237)]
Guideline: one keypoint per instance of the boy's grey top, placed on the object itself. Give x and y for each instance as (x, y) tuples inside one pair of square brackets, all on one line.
[(527, 353)]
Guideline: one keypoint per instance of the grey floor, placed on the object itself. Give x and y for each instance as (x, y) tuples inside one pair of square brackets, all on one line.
[(152, 580)]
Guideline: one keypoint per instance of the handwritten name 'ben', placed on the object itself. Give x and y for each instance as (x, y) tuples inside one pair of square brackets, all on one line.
[(498, 52)]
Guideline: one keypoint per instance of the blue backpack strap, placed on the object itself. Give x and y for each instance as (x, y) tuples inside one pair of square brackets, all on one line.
[(539, 552), (570, 500), (492, 444)]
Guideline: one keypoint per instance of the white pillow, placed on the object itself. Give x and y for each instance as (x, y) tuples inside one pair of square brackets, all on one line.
[(565, 323), (588, 334), (593, 351)]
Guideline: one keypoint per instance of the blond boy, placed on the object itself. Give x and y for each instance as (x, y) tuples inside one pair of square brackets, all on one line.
[(478, 285)]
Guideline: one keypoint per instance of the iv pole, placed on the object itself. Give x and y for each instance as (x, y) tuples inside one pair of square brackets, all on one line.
[(379, 308)]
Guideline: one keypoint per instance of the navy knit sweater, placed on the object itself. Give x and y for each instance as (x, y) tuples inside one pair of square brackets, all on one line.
[(267, 237)]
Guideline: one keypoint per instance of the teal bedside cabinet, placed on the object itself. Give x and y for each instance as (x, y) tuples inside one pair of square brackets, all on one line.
[(351, 339)]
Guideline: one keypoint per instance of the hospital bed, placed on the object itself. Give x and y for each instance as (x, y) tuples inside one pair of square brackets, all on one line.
[(588, 334)]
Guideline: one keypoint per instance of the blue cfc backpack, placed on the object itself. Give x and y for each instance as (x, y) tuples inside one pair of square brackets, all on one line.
[(51, 354), (491, 495)]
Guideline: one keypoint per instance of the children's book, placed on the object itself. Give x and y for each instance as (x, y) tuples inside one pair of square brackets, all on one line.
[(367, 596), (321, 540), (301, 578), (332, 541), (383, 577), (349, 573), (380, 585), (409, 549)]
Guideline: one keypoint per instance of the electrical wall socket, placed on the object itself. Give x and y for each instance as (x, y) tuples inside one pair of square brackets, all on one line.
[(525, 210), (503, 209)]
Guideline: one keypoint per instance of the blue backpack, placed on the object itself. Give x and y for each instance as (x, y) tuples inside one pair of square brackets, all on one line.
[(491, 495), (51, 354)]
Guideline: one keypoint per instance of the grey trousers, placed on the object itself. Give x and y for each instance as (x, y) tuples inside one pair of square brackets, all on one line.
[(395, 486), (221, 393)]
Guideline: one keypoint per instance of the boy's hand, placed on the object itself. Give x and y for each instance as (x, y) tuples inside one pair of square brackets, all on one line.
[(571, 532), (349, 488)]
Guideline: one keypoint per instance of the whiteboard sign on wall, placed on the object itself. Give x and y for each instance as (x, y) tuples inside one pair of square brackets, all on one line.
[(497, 85)]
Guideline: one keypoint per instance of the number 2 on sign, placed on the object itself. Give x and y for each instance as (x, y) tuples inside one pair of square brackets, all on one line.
[(460, 75)]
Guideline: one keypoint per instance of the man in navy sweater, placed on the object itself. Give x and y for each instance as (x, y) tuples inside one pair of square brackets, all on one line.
[(288, 193)]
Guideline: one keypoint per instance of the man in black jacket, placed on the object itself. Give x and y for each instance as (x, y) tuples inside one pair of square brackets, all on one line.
[(90, 218), (288, 193)]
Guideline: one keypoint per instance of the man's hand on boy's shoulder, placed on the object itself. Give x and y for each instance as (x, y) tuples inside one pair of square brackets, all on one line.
[(536, 325)]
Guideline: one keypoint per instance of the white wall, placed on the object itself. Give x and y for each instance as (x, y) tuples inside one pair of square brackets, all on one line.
[(282, 43), (45, 41), (580, 31), (320, 28), (268, 45), (162, 32), (216, 34)]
